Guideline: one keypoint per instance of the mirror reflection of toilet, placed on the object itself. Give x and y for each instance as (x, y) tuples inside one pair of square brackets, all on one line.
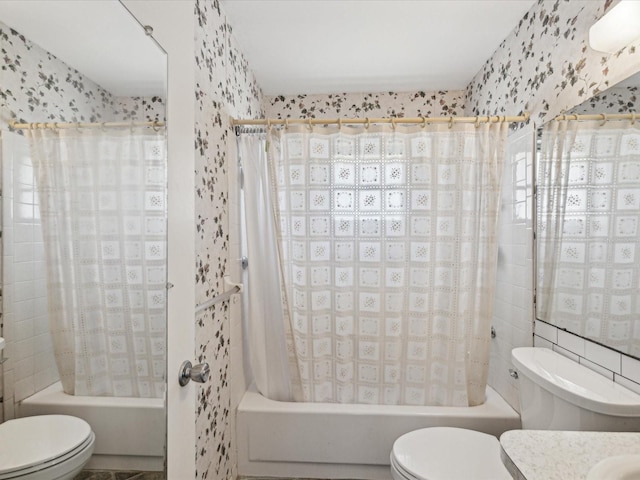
[(555, 394), (44, 447)]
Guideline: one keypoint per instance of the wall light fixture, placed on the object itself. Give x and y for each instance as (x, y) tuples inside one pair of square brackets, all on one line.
[(618, 28)]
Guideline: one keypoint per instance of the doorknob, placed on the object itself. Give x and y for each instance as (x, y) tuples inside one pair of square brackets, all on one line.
[(198, 373)]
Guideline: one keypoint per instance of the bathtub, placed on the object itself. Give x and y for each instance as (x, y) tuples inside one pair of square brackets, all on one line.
[(323, 440), (130, 432)]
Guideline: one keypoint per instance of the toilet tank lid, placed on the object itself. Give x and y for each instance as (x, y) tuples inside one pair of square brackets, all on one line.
[(575, 383)]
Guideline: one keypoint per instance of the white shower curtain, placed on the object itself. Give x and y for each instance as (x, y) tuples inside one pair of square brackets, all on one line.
[(387, 243), (265, 316), (588, 217), (102, 199)]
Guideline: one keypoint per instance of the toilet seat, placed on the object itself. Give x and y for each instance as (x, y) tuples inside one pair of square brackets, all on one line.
[(45, 446), (447, 453)]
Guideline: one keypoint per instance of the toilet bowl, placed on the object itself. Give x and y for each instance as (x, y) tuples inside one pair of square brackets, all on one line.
[(447, 453), (44, 447), (555, 394)]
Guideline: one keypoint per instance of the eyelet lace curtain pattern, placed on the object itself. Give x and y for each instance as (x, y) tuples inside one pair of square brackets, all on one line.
[(102, 199), (388, 246), (588, 237)]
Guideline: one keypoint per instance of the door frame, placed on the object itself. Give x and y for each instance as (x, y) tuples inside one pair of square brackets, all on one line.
[(173, 26)]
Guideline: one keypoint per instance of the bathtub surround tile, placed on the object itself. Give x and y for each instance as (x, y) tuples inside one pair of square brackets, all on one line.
[(625, 382), (546, 331), (571, 342), (613, 365), (603, 356), (513, 311), (630, 368), (597, 368), (566, 353)]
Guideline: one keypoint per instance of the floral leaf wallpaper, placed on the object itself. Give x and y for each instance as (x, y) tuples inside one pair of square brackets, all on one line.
[(361, 105), (545, 66), (224, 87), (37, 87)]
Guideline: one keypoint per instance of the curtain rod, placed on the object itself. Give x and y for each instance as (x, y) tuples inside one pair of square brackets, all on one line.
[(605, 117), (366, 121), (55, 125)]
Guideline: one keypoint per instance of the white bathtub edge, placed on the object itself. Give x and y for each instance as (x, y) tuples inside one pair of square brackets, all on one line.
[(306, 440), (142, 420)]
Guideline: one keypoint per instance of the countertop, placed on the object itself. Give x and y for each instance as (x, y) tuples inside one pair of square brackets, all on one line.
[(550, 455)]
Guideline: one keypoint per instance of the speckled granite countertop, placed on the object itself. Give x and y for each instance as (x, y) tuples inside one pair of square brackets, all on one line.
[(549, 455)]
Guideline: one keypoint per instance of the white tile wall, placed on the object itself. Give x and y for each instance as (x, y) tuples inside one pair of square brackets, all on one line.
[(31, 365), (617, 366), (514, 314), (513, 311)]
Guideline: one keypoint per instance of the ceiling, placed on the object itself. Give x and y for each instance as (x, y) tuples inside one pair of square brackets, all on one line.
[(81, 34), (334, 46)]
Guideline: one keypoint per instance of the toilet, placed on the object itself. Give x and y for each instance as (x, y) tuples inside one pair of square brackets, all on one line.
[(437, 453), (555, 394), (44, 447)]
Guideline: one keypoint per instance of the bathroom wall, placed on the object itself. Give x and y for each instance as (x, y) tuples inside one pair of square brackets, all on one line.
[(545, 67), (34, 87), (225, 86), (622, 99), (31, 365), (362, 105), (513, 308)]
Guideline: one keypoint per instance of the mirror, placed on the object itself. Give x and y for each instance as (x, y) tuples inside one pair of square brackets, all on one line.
[(87, 62), (588, 231)]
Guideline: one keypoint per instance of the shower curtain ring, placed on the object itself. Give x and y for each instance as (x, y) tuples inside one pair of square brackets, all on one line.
[(633, 118), (393, 123), (155, 126), (366, 123), (604, 119), (450, 122), (477, 122), (286, 123), (310, 125), (424, 122)]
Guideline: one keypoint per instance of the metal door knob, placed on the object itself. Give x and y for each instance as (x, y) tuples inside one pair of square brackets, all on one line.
[(198, 373)]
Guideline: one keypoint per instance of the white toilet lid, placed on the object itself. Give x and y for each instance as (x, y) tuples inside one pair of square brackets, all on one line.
[(29, 441), (447, 453)]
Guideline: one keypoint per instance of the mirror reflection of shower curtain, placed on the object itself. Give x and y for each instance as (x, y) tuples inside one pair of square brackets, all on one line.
[(588, 230), (388, 248), (103, 207)]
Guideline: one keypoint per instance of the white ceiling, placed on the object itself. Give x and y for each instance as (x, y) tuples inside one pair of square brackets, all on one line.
[(99, 38), (333, 46)]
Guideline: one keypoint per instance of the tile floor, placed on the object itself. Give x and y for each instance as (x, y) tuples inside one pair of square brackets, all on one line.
[(118, 475)]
